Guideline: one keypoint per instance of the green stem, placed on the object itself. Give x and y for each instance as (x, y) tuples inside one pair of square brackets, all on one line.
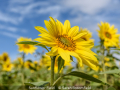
[(23, 77), (105, 76), (52, 70), (56, 81), (103, 65)]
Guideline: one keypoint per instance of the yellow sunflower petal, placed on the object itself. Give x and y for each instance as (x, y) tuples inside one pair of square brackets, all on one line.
[(64, 54), (73, 31)]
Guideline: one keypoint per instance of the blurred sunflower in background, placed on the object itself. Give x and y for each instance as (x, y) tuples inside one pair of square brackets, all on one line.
[(26, 48), (7, 66), (28, 64), (35, 62), (20, 60), (66, 41), (87, 36), (45, 61), (96, 76), (36, 65), (18, 63), (106, 59), (5, 58), (108, 34)]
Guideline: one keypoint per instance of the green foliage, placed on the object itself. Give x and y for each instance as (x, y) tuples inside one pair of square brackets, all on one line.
[(40, 84), (84, 76), (111, 88), (111, 71), (60, 64)]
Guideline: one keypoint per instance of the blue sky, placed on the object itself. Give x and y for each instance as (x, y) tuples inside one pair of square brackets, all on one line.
[(18, 18)]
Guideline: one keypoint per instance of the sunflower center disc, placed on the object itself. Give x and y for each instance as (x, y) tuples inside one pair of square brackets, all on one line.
[(26, 46), (108, 35), (65, 41), (8, 66)]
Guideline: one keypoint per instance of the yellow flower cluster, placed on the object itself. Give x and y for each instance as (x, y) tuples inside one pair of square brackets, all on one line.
[(5, 61)]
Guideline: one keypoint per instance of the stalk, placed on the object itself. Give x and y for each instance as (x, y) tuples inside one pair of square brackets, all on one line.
[(57, 81), (23, 77), (105, 76), (103, 65), (52, 70)]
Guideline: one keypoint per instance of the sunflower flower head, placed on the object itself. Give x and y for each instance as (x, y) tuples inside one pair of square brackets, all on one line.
[(29, 65), (35, 62), (66, 41), (87, 36), (26, 48), (96, 76), (7, 67), (45, 61), (107, 64), (20, 60), (107, 59), (108, 34), (5, 58)]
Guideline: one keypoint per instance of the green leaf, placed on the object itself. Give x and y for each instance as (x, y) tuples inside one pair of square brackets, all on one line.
[(40, 84), (84, 76), (111, 88), (60, 64), (32, 43), (111, 71)]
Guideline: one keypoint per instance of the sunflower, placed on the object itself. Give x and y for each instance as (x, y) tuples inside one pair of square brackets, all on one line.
[(66, 41), (26, 48), (45, 61), (108, 34), (20, 60), (96, 76), (107, 64), (106, 59), (29, 65), (5, 58), (87, 36), (35, 62), (7, 67)]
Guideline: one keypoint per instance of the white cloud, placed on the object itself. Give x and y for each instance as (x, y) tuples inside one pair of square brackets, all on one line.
[(9, 28), (10, 35), (8, 18), (26, 9), (86, 6), (20, 2), (23, 30), (18, 10), (12, 29), (54, 11)]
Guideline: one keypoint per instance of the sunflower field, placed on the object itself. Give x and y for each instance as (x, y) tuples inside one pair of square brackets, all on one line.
[(70, 60)]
